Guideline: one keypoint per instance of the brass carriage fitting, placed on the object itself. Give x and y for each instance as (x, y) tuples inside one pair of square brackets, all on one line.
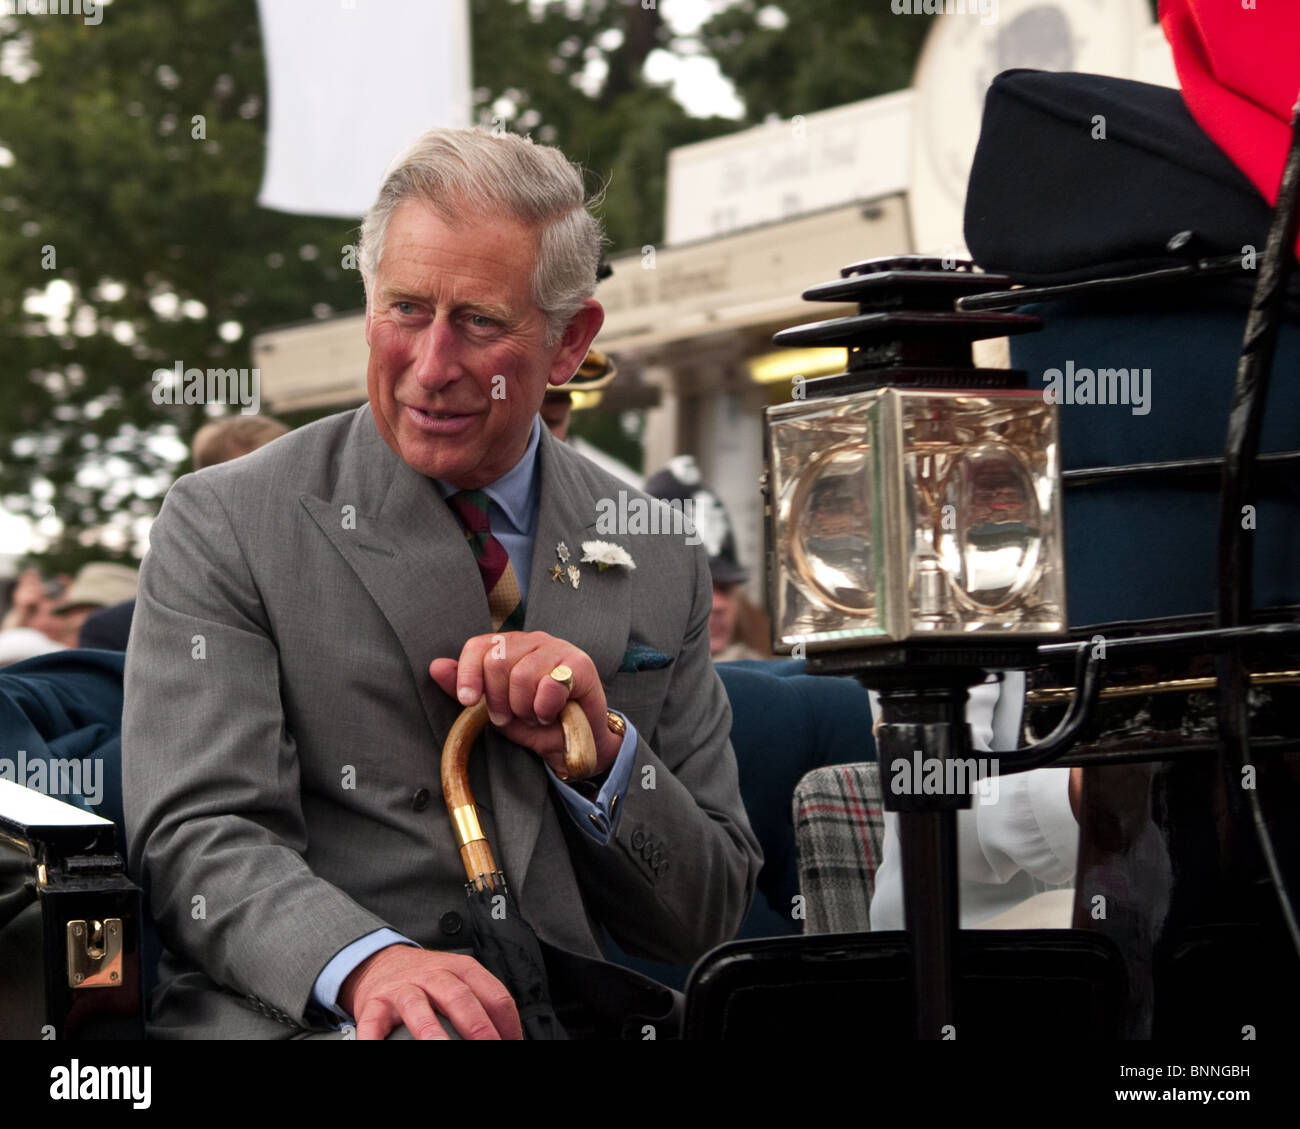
[(95, 953)]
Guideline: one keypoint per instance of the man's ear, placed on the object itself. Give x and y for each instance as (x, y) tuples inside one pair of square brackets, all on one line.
[(367, 313), (576, 340)]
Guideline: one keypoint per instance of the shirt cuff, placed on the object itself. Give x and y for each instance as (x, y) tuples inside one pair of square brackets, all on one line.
[(325, 992), (598, 818)]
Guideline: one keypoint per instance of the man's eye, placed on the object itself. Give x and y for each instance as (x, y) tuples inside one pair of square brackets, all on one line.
[(404, 308), (481, 321)]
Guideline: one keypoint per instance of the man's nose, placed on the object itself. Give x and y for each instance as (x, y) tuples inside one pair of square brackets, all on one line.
[(438, 359)]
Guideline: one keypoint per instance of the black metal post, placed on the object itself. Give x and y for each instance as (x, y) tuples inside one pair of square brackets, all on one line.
[(930, 906), (922, 732)]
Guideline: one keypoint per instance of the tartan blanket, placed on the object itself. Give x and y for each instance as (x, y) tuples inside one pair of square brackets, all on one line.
[(839, 828)]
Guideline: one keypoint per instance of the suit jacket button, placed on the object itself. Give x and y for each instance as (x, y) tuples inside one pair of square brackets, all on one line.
[(647, 850), (420, 800), (657, 860), (638, 839), (661, 869), (451, 923)]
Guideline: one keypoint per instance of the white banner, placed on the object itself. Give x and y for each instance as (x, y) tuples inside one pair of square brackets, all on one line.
[(350, 83)]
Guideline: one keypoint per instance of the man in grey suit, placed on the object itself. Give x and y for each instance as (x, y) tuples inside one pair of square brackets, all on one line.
[(312, 618)]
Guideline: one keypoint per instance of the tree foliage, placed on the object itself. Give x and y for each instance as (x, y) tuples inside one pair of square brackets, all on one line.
[(813, 55), (152, 219)]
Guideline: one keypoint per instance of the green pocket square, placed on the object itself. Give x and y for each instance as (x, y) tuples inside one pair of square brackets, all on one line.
[(640, 657)]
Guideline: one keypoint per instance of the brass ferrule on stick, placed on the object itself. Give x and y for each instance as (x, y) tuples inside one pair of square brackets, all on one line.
[(580, 758)]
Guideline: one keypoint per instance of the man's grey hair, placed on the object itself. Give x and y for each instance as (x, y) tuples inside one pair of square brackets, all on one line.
[(469, 173)]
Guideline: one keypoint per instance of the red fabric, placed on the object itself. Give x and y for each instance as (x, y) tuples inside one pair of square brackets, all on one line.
[(1240, 72)]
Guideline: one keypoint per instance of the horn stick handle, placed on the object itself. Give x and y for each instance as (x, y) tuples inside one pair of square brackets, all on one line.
[(579, 744), (475, 854)]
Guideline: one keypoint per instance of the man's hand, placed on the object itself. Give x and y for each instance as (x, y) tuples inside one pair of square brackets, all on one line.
[(524, 701), (401, 984)]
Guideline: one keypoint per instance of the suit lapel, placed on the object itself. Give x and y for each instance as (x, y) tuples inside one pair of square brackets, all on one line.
[(408, 551)]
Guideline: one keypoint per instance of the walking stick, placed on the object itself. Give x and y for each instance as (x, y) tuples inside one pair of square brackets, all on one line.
[(475, 853)]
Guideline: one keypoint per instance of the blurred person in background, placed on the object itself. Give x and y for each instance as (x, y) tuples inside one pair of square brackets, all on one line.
[(593, 374), (228, 438), (737, 629), (96, 586), (28, 628)]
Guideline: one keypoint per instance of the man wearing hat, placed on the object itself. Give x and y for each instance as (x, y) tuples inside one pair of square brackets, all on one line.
[(594, 374), (95, 586), (680, 481)]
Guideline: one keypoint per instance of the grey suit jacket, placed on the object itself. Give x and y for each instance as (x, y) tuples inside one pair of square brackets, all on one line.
[(282, 735)]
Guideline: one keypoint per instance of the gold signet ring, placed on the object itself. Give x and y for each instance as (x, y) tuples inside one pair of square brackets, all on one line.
[(565, 675)]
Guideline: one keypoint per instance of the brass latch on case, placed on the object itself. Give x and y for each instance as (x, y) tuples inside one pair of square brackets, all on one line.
[(95, 953)]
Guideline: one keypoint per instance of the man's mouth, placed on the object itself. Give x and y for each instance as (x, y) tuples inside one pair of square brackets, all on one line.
[(439, 422), (440, 413)]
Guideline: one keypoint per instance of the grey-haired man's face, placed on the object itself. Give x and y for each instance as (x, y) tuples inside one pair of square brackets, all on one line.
[(458, 359)]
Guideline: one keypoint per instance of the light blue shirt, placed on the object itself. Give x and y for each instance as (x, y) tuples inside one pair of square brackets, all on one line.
[(513, 518)]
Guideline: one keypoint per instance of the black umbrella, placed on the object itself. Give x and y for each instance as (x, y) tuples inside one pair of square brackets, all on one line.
[(504, 942), (507, 947)]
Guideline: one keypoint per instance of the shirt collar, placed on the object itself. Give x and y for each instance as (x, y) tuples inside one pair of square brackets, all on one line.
[(513, 491)]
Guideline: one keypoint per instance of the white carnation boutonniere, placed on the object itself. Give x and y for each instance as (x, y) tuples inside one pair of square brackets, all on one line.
[(604, 554)]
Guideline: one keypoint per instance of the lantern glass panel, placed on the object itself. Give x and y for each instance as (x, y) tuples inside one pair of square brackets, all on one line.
[(902, 513), (980, 496), (992, 549), (823, 472), (832, 535)]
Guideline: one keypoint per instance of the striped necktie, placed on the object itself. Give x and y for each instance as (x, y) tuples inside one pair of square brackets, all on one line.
[(505, 603)]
